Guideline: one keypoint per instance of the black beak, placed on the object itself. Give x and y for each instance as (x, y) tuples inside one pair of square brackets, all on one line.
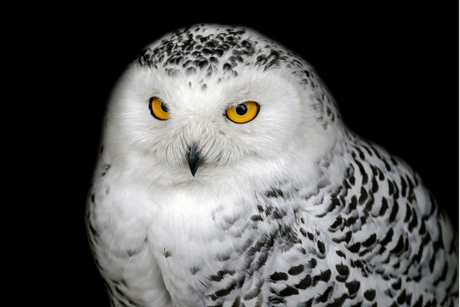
[(194, 159)]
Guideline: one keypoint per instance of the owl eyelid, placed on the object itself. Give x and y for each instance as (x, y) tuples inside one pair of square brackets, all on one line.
[(238, 103)]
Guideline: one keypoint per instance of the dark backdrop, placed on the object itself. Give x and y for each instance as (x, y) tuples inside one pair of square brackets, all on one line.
[(392, 68)]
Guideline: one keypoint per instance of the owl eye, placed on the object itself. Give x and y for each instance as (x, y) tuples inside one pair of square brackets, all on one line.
[(158, 109), (244, 112)]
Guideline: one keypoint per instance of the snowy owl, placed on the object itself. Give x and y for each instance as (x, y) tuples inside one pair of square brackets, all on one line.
[(227, 177)]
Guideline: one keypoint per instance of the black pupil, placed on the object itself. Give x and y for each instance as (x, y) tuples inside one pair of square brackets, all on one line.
[(241, 109), (164, 108)]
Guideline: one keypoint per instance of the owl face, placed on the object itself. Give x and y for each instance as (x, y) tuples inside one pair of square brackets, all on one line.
[(167, 122)]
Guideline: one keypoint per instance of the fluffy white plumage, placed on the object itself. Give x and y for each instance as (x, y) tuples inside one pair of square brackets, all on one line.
[(288, 209)]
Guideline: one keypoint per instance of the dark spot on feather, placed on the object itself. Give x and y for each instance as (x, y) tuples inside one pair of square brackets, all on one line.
[(408, 213), (255, 291), (274, 193), (337, 223), (256, 217), (364, 175), (369, 295), (288, 291), (353, 287), (279, 276), (396, 285), (399, 248), (342, 269), (414, 222), (325, 296), (220, 275), (354, 248), (296, 270), (394, 211), (304, 283), (236, 302), (371, 240), (443, 275), (312, 263), (363, 196), (194, 270), (190, 71), (321, 247), (303, 231), (324, 276), (383, 207), (388, 237), (223, 292)]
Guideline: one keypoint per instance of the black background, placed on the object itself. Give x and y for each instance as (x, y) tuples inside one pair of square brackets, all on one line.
[(392, 68)]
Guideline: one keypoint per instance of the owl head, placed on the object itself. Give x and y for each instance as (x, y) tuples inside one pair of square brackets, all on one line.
[(212, 103)]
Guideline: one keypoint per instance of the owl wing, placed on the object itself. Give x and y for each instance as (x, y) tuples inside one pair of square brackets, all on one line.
[(119, 243), (378, 236)]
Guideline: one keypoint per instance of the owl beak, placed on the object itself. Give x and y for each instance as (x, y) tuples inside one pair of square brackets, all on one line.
[(194, 159)]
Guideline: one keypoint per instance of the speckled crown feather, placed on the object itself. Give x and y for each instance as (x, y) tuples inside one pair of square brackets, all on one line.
[(224, 50)]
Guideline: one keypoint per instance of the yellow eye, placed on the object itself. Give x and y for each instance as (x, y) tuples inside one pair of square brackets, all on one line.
[(158, 109), (243, 112)]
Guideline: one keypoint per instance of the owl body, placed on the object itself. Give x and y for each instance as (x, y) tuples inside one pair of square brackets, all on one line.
[(289, 208)]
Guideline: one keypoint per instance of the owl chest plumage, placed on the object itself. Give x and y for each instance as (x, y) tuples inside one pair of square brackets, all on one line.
[(205, 250), (279, 245), (224, 253)]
